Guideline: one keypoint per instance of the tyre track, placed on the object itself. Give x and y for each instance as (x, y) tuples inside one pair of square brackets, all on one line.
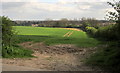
[(68, 34)]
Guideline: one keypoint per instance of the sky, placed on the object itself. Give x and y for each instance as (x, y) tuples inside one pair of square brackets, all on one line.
[(54, 9)]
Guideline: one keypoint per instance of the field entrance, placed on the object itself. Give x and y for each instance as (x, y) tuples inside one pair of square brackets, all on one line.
[(63, 49)]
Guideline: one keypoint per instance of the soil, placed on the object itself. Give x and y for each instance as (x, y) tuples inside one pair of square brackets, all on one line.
[(62, 57)]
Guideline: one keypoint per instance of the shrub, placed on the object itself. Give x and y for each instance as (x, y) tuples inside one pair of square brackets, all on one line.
[(91, 31), (8, 41), (107, 32), (16, 51), (7, 33), (106, 57)]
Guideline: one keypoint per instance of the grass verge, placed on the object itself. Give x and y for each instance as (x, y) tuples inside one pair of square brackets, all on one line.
[(107, 58), (16, 52)]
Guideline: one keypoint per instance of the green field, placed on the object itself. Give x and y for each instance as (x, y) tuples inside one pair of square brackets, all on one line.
[(52, 36)]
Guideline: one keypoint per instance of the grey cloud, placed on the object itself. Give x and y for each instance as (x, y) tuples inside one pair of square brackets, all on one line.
[(100, 5), (7, 5), (25, 10)]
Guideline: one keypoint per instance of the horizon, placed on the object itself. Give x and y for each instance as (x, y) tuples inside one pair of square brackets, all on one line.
[(55, 20)]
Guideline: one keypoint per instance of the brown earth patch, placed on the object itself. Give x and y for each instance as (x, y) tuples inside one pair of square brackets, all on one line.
[(62, 57)]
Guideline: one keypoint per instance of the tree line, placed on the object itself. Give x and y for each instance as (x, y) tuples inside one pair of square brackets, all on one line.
[(65, 23)]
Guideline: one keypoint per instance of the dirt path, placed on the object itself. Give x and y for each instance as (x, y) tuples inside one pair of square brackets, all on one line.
[(7, 67), (64, 57)]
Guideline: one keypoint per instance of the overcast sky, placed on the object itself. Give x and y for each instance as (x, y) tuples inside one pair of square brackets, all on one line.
[(54, 9)]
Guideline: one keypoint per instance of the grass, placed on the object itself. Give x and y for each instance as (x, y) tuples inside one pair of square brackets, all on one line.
[(16, 52), (51, 36), (107, 58)]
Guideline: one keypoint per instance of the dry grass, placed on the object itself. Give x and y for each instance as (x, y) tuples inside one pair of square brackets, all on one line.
[(73, 29)]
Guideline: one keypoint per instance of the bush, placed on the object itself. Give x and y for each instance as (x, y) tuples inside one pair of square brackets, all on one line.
[(107, 58), (8, 41), (16, 51), (107, 33), (91, 31), (7, 32)]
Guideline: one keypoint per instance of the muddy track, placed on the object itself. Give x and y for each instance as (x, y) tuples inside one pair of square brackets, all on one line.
[(62, 57)]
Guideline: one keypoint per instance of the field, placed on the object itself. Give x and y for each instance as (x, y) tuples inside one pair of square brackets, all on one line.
[(51, 36), (56, 49)]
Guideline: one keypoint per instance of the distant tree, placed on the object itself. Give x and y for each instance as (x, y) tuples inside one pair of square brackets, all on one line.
[(48, 19), (48, 22), (64, 19), (64, 22), (91, 22)]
